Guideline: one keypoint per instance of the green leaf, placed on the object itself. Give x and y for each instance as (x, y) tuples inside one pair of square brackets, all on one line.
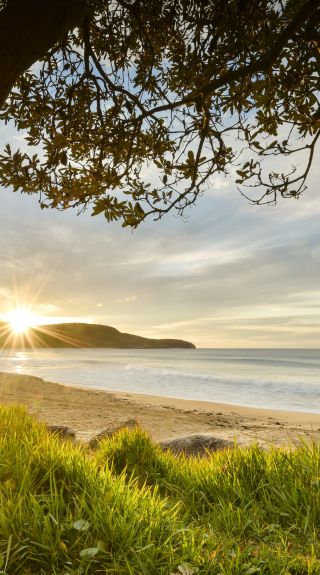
[(89, 552), (98, 209), (186, 569), (81, 525), (64, 158), (241, 173), (272, 145)]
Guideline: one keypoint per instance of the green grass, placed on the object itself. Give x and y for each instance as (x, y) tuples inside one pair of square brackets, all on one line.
[(130, 509)]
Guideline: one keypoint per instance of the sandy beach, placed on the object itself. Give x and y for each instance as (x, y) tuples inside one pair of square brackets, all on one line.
[(88, 412)]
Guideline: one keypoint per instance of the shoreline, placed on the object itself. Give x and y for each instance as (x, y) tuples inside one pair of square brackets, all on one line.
[(90, 411), (297, 417)]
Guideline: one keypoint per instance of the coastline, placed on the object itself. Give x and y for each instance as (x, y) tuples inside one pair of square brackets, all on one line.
[(88, 412)]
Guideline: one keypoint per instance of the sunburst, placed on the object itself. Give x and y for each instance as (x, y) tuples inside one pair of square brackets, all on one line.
[(21, 319)]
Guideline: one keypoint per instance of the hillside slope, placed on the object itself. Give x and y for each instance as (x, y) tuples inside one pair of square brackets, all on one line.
[(82, 335)]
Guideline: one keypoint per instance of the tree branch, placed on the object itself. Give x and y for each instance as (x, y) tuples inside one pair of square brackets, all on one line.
[(262, 64)]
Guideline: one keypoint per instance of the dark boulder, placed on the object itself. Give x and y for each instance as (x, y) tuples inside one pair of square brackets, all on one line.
[(195, 444)]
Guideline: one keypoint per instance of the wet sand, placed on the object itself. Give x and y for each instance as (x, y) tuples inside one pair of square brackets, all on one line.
[(88, 412)]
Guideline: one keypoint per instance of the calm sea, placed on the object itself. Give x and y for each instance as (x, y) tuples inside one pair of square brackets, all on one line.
[(277, 379)]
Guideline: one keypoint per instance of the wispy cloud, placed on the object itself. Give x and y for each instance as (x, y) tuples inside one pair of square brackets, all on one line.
[(230, 275)]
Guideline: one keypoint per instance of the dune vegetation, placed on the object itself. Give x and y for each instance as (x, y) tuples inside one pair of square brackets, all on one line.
[(128, 508)]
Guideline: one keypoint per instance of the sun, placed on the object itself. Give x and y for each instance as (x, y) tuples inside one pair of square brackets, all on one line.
[(20, 319)]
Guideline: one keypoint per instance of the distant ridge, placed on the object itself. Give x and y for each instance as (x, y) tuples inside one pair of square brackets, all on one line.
[(82, 335)]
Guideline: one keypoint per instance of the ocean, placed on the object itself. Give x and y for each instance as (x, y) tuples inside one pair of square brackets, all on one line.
[(284, 379)]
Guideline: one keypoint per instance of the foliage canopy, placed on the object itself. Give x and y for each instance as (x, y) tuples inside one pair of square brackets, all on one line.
[(137, 105)]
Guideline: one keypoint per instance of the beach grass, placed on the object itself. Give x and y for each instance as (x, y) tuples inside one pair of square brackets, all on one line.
[(128, 508)]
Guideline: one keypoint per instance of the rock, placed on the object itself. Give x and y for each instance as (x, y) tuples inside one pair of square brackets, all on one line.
[(195, 444), (62, 431), (110, 431)]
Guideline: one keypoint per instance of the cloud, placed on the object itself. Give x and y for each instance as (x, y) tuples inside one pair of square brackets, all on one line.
[(231, 274), (127, 299)]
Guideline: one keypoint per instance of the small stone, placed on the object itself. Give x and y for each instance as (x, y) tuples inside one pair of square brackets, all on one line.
[(62, 431), (110, 431)]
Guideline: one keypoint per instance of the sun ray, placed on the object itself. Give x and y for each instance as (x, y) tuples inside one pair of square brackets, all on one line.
[(56, 334), (20, 319)]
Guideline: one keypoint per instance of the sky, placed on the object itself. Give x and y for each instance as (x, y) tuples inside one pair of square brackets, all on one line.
[(230, 275)]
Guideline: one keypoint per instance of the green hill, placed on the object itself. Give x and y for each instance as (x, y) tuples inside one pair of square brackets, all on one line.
[(82, 335)]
